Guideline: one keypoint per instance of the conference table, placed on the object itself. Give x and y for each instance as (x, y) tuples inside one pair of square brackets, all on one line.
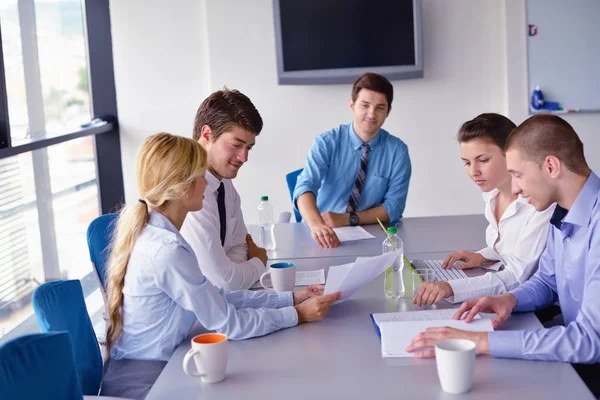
[(339, 357)]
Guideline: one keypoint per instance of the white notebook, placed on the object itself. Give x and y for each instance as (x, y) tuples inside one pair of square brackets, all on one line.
[(397, 330)]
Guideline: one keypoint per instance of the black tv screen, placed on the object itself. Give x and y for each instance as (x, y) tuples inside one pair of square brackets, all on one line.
[(333, 41)]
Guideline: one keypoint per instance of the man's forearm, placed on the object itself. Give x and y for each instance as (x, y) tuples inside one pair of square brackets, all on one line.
[(307, 205), (370, 216)]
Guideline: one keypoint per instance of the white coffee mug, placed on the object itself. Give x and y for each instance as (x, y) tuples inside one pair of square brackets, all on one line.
[(209, 352), (283, 277), (455, 359)]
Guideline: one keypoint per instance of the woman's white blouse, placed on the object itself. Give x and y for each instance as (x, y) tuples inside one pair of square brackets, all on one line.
[(165, 293), (517, 242)]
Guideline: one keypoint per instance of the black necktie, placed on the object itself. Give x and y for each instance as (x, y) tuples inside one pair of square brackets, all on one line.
[(221, 203)]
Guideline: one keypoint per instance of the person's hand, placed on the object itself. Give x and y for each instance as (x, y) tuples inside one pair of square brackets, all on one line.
[(334, 220), (308, 292), (422, 343), (502, 305), (432, 293), (316, 308), (255, 251), (324, 235), (471, 260)]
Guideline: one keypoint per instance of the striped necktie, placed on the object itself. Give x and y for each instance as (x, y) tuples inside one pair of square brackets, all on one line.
[(360, 180)]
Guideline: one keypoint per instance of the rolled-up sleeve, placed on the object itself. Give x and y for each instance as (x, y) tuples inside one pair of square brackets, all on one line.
[(315, 169), (394, 200)]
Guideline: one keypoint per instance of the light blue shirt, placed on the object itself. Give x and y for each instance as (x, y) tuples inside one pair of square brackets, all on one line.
[(332, 165), (569, 271), (165, 293)]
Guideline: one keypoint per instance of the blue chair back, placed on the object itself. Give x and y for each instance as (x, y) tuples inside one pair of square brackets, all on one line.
[(99, 234), (60, 306), (39, 366), (291, 179)]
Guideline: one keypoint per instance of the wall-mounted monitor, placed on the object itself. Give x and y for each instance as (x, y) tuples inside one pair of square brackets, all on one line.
[(336, 41)]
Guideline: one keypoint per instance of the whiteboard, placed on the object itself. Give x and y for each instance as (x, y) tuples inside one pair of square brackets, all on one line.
[(563, 50)]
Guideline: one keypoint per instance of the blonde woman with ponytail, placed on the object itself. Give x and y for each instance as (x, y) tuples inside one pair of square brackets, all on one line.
[(156, 291)]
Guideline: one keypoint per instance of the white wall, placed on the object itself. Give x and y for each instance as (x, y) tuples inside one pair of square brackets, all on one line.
[(170, 57), (161, 71)]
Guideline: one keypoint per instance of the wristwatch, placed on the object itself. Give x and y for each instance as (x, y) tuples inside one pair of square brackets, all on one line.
[(353, 219)]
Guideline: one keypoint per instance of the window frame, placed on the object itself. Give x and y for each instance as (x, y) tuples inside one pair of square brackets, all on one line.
[(109, 174)]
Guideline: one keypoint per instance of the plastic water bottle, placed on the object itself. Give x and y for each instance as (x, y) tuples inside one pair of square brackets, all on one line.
[(266, 223), (537, 99), (394, 282)]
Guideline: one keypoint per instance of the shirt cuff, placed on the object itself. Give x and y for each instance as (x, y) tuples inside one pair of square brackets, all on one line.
[(522, 297), (259, 267), (506, 344), (488, 253), (284, 299), (290, 317), (461, 288)]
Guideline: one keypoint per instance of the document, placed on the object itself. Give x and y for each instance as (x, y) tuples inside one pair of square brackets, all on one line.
[(348, 278), (303, 278), (350, 233), (399, 329)]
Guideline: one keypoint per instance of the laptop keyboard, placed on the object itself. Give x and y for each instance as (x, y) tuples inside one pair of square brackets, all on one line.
[(440, 273)]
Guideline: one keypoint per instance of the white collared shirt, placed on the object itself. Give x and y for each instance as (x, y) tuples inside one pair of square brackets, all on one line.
[(165, 293), (226, 266), (517, 242)]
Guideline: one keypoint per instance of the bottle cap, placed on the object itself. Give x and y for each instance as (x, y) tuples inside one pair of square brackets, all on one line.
[(264, 198), (392, 230)]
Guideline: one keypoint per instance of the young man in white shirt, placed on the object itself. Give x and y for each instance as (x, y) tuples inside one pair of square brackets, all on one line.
[(226, 125)]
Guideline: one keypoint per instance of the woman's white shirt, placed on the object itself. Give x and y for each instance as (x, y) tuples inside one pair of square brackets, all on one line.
[(516, 241), (165, 293)]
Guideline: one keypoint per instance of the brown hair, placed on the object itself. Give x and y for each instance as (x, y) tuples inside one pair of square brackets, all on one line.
[(224, 110), (376, 83), (543, 135), (492, 127), (166, 169)]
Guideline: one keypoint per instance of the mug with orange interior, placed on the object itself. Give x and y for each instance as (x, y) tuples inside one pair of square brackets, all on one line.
[(209, 352)]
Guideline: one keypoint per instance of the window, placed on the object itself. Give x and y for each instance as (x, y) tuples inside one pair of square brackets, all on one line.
[(50, 168)]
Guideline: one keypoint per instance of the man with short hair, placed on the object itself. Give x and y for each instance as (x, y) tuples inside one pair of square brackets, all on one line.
[(545, 158), (226, 125), (357, 172)]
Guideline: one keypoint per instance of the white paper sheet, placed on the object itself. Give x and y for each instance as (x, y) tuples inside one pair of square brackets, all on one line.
[(396, 334), (348, 278), (350, 233), (422, 315), (306, 278), (303, 278)]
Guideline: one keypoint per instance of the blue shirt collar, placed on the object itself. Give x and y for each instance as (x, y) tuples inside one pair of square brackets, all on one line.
[(581, 211), (160, 221), (356, 142)]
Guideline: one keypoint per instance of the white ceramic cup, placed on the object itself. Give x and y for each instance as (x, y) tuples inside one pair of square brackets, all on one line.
[(283, 277), (455, 359), (209, 352)]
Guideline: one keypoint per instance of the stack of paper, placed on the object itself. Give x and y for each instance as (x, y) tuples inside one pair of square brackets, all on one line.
[(397, 330)]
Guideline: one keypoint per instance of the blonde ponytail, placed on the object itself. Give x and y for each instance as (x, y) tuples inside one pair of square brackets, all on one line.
[(166, 168)]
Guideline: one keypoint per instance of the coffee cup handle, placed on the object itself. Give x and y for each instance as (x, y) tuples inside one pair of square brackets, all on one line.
[(186, 361), (262, 282)]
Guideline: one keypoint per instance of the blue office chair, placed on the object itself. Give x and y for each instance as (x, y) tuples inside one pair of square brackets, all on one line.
[(39, 366), (99, 235), (291, 179), (60, 306)]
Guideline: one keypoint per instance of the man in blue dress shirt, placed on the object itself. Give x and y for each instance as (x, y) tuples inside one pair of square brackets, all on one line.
[(357, 172), (545, 158)]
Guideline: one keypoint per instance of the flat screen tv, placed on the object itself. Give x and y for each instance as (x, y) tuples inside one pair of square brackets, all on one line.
[(336, 41)]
